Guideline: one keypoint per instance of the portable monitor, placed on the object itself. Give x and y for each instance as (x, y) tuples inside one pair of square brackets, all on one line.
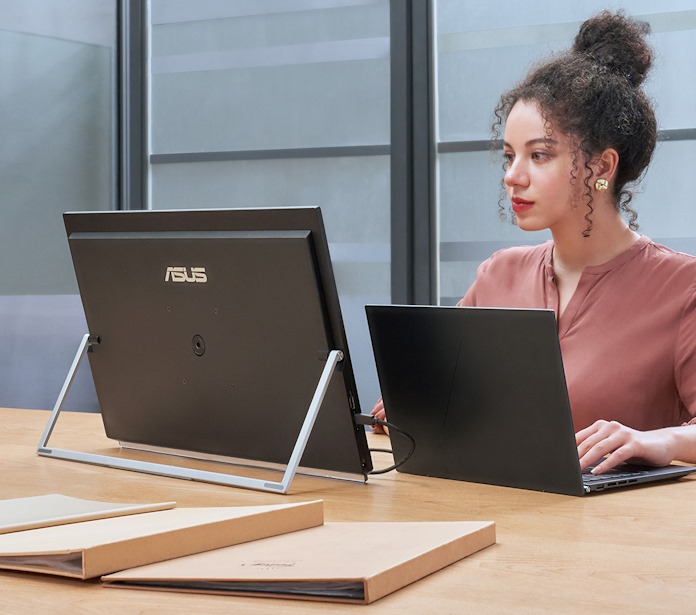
[(210, 333)]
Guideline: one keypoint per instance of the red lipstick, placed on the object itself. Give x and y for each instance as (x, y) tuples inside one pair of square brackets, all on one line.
[(519, 205)]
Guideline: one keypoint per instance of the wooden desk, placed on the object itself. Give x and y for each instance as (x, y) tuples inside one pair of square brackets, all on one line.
[(629, 551)]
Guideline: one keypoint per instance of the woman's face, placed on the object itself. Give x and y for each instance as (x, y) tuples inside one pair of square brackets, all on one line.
[(539, 175)]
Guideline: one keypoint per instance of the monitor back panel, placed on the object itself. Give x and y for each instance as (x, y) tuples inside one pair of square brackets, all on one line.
[(223, 366), (481, 390)]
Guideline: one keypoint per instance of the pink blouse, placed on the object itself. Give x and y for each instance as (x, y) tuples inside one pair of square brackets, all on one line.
[(628, 335)]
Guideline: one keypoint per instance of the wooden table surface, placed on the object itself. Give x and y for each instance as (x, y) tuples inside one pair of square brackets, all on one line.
[(630, 551)]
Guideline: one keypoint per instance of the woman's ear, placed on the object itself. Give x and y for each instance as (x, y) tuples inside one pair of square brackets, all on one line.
[(605, 165)]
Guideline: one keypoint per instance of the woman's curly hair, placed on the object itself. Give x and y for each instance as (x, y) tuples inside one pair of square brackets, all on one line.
[(592, 93)]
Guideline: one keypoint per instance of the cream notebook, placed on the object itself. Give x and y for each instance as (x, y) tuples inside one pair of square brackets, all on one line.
[(93, 548), (55, 509), (343, 562)]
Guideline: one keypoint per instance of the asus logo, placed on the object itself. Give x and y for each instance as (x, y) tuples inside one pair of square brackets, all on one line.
[(181, 274)]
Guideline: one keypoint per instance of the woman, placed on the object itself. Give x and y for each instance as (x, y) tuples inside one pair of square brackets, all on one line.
[(578, 129)]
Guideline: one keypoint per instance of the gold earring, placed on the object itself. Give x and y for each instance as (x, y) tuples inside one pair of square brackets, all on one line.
[(601, 185)]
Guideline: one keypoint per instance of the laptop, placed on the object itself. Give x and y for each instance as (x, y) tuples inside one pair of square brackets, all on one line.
[(214, 329), (483, 393)]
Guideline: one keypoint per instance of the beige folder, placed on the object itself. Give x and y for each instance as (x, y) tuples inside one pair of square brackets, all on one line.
[(94, 548), (343, 562), (56, 509)]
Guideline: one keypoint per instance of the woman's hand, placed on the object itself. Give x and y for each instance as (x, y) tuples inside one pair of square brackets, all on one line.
[(619, 443), (378, 412)]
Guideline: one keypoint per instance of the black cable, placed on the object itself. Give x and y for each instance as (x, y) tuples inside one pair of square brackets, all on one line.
[(366, 419)]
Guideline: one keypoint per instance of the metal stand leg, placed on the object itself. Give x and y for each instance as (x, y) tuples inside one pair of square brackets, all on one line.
[(58, 407), (335, 356)]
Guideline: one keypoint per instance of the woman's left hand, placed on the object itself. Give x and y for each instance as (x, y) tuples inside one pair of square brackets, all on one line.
[(619, 443)]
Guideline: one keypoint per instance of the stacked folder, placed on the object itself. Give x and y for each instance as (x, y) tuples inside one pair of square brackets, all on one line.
[(281, 550)]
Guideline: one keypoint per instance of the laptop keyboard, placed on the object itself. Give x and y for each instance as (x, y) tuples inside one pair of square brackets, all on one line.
[(615, 477)]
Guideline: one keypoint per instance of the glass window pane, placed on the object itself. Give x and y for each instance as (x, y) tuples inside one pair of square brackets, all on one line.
[(310, 75), (57, 67), (483, 50), (665, 201), (56, 125)]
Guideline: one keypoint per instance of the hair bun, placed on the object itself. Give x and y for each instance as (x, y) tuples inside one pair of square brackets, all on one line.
[(617, 42)]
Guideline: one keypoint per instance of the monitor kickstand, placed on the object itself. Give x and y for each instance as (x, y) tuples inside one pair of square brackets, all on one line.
[(282, 486)]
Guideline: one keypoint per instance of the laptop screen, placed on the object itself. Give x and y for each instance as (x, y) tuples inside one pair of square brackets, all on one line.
[(483, 392), (214, 327)]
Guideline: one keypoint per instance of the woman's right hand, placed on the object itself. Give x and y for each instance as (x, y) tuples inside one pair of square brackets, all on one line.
[(378, 412)]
